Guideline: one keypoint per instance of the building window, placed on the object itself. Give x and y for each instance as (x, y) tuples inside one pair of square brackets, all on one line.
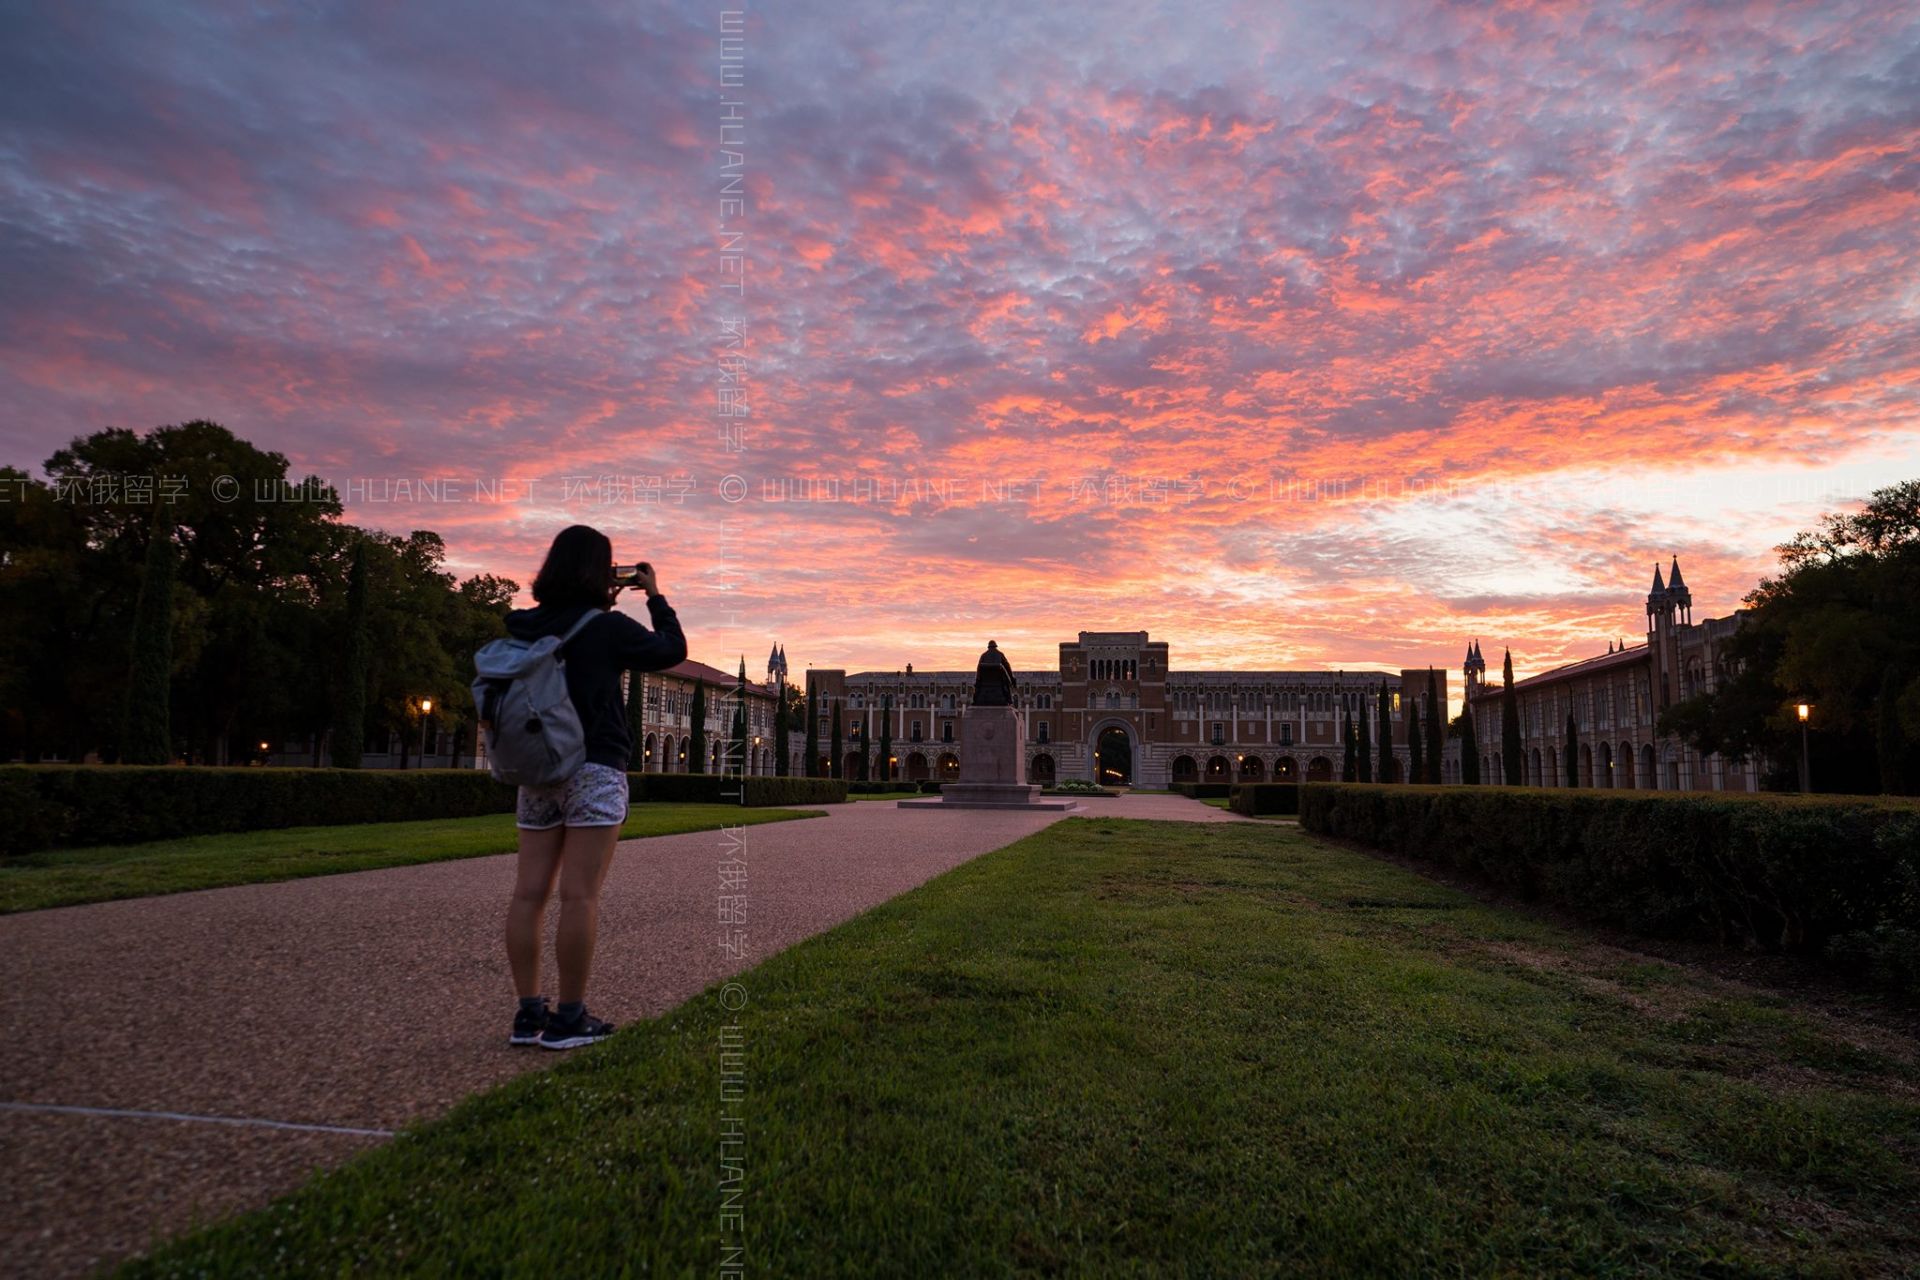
[(915, 734), (1286, 735), (1043, 731), (946, 731), (1219, 733)]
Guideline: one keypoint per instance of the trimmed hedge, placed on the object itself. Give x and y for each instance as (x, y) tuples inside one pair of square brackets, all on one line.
[(1202, 790), (45, 806), (1254, 799), (713, 788), (1832, 876)]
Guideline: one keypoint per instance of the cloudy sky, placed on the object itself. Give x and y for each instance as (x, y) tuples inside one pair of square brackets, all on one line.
[(1297, 334)]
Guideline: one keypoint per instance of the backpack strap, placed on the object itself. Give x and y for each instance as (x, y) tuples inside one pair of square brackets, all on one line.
[(577, 628)]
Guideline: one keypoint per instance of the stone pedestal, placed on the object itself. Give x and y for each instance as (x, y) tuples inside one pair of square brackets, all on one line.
[(993, 766)]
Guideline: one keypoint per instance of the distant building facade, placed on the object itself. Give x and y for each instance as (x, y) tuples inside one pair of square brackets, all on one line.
[(1615, 701), (666, 730), (1113, 708)]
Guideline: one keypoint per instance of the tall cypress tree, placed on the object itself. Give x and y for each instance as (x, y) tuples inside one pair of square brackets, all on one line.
[(698, 748), (835, 766), (1573, 752), (146, 725), (1436, 729), (1416, 745), (1510, 755), (813, 731), (636, 722), (782, 742), (1383, 742), (886, 737), (1349, 766), (740, 744), (350, 692), (1363, 748), (1469, 750)]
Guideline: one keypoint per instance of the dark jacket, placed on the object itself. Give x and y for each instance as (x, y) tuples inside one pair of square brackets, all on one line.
[(595, 658)]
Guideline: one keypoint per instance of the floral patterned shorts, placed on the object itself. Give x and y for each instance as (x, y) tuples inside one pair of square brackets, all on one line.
[(595, 796)]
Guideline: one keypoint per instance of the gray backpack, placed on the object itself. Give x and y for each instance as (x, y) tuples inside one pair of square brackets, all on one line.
[(534, 736)]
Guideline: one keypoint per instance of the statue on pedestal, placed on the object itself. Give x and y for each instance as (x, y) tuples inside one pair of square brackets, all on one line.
[(993, 682)]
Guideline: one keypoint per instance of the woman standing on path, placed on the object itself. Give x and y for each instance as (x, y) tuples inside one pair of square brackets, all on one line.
[(569, 829)]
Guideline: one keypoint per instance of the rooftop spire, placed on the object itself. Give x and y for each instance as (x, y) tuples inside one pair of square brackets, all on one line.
[(1673, 579), (1659, 587)]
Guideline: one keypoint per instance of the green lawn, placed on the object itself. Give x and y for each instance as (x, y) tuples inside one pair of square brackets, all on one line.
[(65, 877), (1127, 1048)]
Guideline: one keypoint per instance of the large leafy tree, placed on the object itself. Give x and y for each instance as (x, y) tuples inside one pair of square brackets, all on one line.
[(260, 632), (349, 729), (146, 733), (1837, 627)]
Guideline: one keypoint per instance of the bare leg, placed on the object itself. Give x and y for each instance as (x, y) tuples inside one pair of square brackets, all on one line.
[(532, 886), (583, 866)]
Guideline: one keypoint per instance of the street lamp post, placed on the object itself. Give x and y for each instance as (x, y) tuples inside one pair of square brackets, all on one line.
[(426, 709), (1804, 710)]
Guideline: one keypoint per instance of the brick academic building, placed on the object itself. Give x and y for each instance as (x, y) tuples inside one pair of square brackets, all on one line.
[(1615, 700), (1114, 705)]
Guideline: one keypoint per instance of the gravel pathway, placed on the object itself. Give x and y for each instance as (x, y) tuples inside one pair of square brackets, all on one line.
[(364, 1002)]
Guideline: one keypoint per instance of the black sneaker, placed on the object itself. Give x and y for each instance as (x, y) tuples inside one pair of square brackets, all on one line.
[(585, 1029), (528, 1026)]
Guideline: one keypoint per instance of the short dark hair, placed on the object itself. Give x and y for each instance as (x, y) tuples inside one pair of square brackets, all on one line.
[(578, 569)]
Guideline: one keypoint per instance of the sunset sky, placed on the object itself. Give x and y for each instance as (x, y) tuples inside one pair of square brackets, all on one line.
[(1299, 335)]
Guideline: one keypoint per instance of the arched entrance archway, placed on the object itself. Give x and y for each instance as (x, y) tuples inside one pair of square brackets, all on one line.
[(1217, 770), (853, 767), (1649, 778), (1319, 769), (1185, 770), (917, 767), (1586, 765), (1603, 767), (1041, 771), (651, 760), (1285, 770), (1252, 769), (949, 767), (1113, 756), (1624, 764)]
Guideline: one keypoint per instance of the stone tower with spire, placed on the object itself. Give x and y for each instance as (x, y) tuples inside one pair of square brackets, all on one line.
[(777, 667), (1475, 670), (1669, 607)]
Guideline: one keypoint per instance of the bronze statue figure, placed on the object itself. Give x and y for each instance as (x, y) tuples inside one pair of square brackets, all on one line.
[(993, 681)]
